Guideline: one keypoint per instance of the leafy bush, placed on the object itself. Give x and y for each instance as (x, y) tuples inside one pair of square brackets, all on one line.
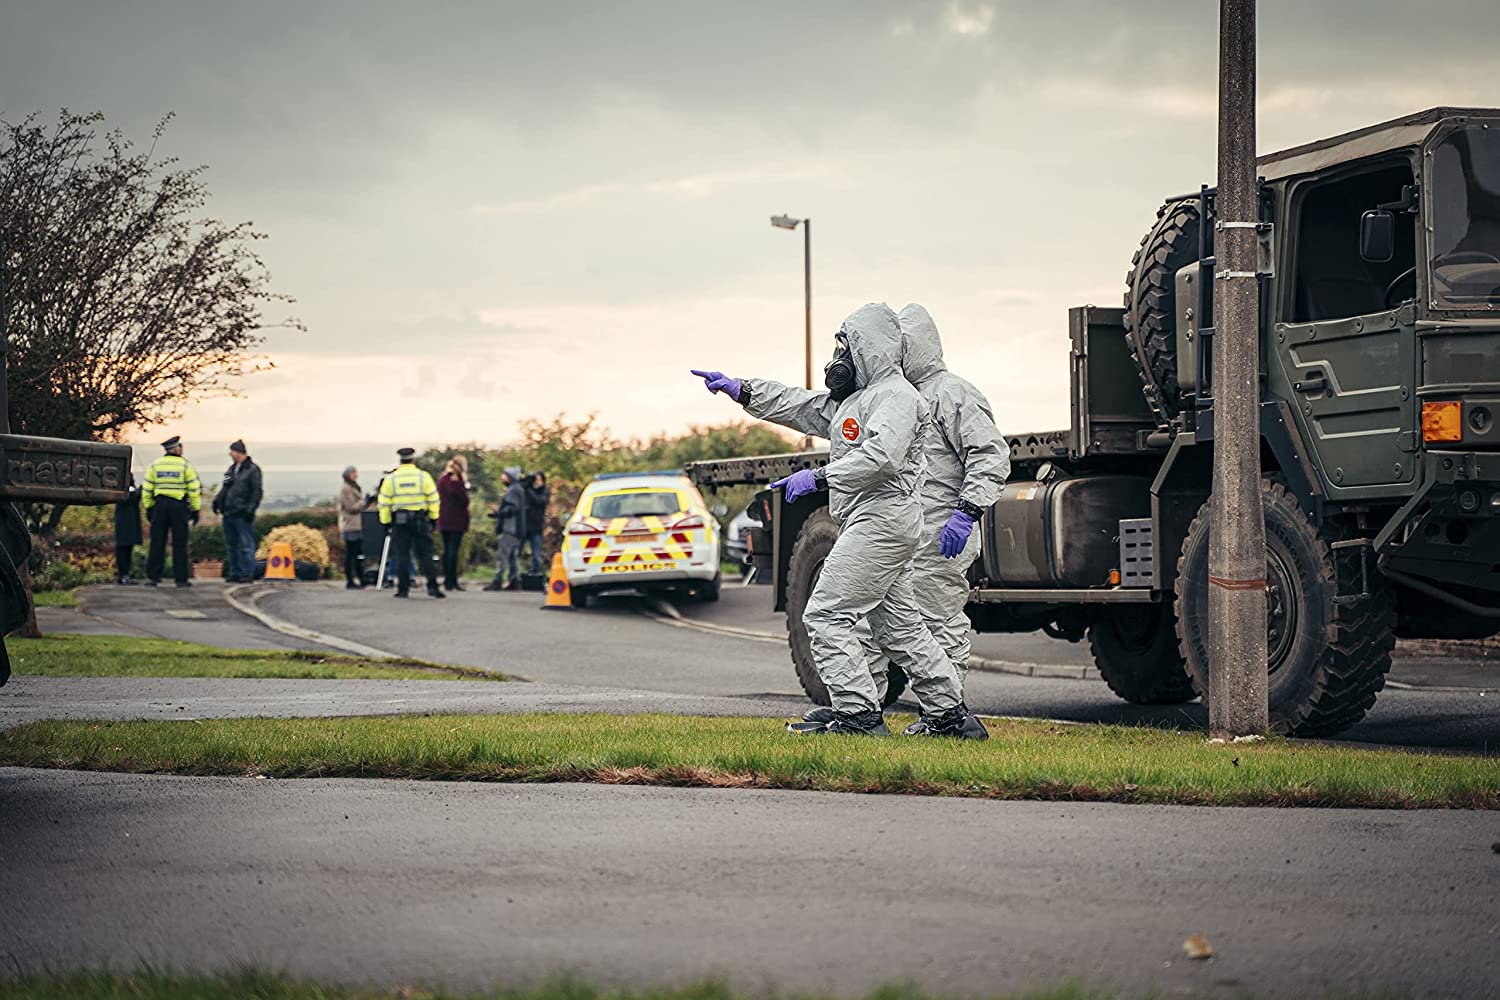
[(63, 574), (205, 541), (308, 544)]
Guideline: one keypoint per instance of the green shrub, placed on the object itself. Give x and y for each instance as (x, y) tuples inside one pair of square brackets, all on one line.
[(205, 541), (60, 574)]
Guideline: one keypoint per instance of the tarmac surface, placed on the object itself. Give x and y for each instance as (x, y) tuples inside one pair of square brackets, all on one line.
[(615, 645), (393, 882), (625, 655)]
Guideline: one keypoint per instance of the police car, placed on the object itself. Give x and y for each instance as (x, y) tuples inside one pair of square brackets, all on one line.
[(644, 531)]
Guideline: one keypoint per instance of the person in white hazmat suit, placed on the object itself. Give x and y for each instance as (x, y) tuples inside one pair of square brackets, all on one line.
[(876, 423), (968, 462)]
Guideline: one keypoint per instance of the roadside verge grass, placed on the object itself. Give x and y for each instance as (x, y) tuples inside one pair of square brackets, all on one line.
[(133, 656), (1022, 760), (55, 598), (152, 985)]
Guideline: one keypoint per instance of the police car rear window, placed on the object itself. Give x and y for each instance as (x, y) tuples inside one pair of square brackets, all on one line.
[(634, 505)]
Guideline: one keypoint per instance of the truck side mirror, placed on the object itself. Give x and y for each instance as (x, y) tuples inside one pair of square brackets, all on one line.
[(1377, 236)]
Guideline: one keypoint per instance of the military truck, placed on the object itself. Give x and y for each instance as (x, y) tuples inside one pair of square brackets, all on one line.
[(1380, 388)]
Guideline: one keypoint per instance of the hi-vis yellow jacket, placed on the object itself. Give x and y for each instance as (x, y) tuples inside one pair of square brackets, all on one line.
[(408, 488), (172, 476)]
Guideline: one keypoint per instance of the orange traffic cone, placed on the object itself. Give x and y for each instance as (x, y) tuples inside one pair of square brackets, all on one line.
[(559, 594), (279, 565)]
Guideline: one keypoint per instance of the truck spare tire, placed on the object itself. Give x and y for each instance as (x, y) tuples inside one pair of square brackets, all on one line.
[(814, 541), (1151, 303)]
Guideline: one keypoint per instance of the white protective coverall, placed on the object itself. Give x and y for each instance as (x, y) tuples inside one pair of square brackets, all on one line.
[(967, 465), (874, 473)]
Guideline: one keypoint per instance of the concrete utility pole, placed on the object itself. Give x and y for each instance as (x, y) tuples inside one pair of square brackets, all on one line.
[(787, 222), (1237, 701)]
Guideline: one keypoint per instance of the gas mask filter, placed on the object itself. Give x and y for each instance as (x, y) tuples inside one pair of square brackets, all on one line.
[(838, 374)]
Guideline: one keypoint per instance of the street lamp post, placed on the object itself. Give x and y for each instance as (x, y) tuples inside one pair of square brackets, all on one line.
[(787, 222), (1237, 681)]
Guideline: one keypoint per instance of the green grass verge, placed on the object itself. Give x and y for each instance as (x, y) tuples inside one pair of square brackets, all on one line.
[(132, 656), (55, 598), (1022, 760), (265, 986)]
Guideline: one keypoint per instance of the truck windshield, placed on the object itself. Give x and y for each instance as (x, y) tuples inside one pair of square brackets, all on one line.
[(1466, 219)]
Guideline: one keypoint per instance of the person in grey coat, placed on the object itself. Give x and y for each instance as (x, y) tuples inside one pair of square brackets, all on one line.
[(968, 462), (510, 526), (876, 423)]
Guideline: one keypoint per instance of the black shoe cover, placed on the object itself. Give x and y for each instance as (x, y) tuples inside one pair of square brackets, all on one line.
[(870, 723), (956, 723), (434, 592), (822, 714)]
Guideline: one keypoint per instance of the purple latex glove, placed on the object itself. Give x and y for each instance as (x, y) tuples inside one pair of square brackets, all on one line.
[(719, 382), (955, 534), (798, 484)]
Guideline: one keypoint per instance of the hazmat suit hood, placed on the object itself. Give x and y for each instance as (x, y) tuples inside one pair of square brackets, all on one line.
[(921, 348), (874, 337)]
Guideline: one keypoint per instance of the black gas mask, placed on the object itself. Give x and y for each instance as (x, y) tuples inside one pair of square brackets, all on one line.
[(838, 374)]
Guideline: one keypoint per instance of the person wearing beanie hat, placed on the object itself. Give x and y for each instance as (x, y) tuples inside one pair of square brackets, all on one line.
[(236, 502), (170, 498)]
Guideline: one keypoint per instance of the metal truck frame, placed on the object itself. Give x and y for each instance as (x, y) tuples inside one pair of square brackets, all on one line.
[(1380, 383)]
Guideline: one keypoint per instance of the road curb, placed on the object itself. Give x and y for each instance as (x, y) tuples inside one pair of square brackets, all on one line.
[(665, 614), (244, 597)]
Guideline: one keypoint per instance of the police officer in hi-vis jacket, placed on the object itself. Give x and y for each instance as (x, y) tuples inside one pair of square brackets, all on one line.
[(408, 502), (170, 498)]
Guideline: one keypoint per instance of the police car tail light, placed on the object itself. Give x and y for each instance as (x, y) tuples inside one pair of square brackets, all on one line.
[(582, 527), (689, 523)]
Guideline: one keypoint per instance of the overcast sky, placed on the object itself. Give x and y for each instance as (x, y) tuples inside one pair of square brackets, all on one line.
[(489, 210)]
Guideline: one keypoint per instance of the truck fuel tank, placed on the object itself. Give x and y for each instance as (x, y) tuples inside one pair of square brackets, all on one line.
[(1061, 531)]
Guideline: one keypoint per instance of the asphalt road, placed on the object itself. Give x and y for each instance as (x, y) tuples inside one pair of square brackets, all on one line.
[(613, 645), (30, 699), (386, 882)]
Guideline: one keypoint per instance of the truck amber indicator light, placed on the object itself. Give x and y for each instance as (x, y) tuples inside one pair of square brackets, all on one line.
[(1442, 421)]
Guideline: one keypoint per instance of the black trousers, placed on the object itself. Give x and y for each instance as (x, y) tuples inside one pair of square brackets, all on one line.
[(354, 557), (415, 536), (168, 516), (453, 544), (124, 556)]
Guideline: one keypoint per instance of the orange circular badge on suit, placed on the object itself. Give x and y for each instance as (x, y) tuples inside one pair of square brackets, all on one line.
[(851, 429)]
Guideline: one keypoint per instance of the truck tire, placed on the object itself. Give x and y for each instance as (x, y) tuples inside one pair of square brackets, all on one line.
[(1135, 648), (1327, 658), (1151, 303), (814, 541)]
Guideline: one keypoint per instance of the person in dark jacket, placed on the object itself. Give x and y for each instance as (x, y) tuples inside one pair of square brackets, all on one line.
[(127, 533), (453, 516), (537, 495), (510, 526), (237, 501)]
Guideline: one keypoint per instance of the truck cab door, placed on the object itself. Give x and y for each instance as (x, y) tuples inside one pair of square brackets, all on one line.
[(1350, 382), (1343, 353)]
